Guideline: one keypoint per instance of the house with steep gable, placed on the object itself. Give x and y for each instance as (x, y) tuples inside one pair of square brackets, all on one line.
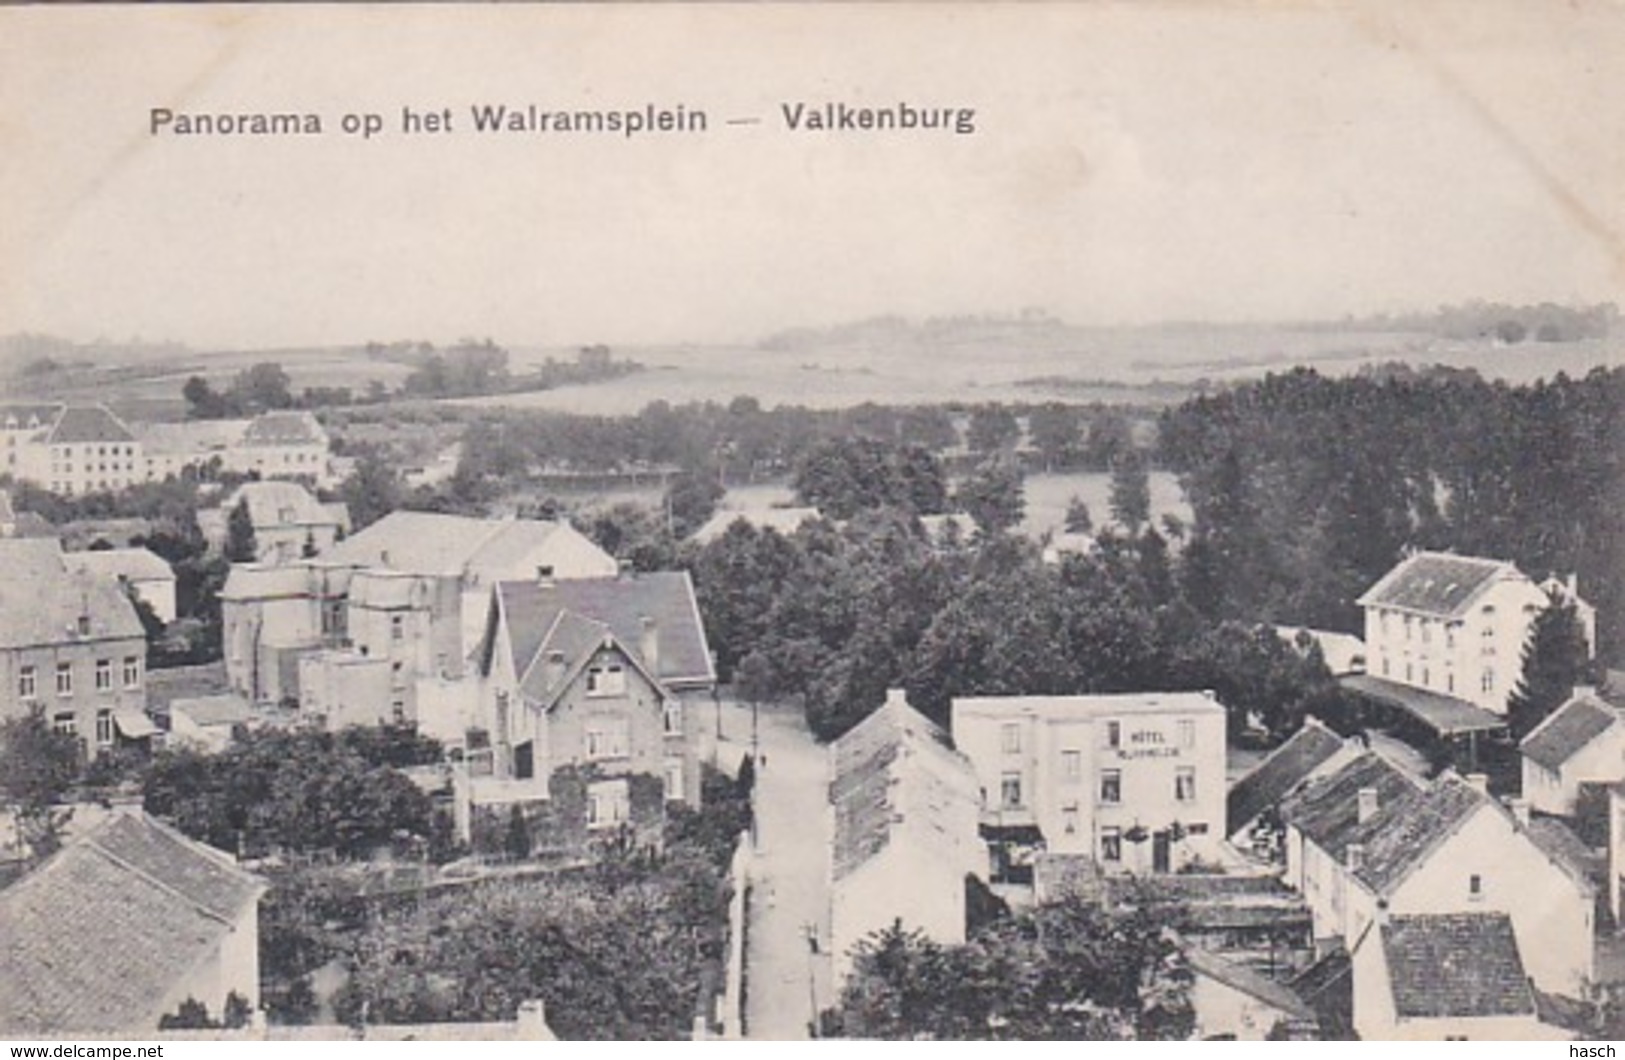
[(585, 717), (120, 927), (289, 522), (905, 809), (142, 571), (1252, 803)]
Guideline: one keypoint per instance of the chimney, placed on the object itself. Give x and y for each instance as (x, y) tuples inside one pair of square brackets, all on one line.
[(1520, 811), (553, 671), (1367, 803), (530, 1022), (1479, 782), (896, 697), (1585, 692), (649, 644), (1353, 856), (1573, 583)]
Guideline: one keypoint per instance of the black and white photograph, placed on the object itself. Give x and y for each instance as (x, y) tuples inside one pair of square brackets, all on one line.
[(770, 522)]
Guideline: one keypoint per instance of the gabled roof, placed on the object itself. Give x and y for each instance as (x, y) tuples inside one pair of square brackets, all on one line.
[(1289, 765), (135, 564), (1244, 979), (41, 600), (445, 545), (284, 428), (620, 604), (1404, 833), (893, 764), (88, 423), (1453, 966), (1564, 849), (575, 640), (280, 503), (1326, 809), (26, 417), (96, 937), (1437, 584), (1568, 730)]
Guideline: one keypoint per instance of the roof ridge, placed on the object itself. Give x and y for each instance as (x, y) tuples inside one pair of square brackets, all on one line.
[(92, 842)]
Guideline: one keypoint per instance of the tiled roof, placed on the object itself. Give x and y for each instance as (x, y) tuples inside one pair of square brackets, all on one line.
[(893, 763), (1565, 850), (24, 417), (1238, 977), (1283, 770), (223, 709), (1453, 966), (1328, 986), (41, 601), (576, 639), (1406, 831), (454, 545), (622, 603), (1569, 729), (1326, 809), (278, 503), (284, 428), (136, 564), (96, 937), (1437, 584), (88, 423), (1445, 715), (1214, 903)]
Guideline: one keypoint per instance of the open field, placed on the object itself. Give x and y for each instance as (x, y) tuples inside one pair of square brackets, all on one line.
[(1002, 361)]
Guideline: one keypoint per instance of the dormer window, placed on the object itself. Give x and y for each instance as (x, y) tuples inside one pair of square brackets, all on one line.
[(84, 625), (606, 679)]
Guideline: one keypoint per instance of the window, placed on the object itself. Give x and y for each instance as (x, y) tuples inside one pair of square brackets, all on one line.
[(607, 804), (606, 679), (397, 711), (1111, 844), (104, 675), (1450, 636), (1426, 678), (132, 671), (1072, 766), (1185, 784), (607, 738), (1427, 632), (1408, 624), (1010, 790), (1111, 786), (84, 625), (1486, 683), (1199, 828), (1385, 666), (27, 683), (1475, 886), (1114, 734), (1069, 819), (1187, 733), (672, 717), (397, 627), (65, 722), (674, 781), (104, 728), (1010, 738), (1449, 681), (64, 679), (1409, 673)]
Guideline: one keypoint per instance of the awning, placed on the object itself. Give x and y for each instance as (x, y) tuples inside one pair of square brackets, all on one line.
[(1445, 715), (133, 724)]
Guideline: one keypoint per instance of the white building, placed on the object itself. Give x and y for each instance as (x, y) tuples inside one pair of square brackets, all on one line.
[(1581, 742), (1370, 841), (1231, 1000), (71, 449), (1136, 780), (289, 522), (143, 570), (905, 831), (1452, 625)]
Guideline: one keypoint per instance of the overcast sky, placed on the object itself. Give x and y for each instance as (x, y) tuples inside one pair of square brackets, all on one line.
[(1178, 160)]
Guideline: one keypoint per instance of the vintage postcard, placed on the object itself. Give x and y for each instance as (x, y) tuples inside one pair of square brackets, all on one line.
[(968, 521)]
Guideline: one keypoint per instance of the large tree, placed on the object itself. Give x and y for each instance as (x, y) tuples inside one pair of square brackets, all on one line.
[(241, 546), (37, 766), (1554, 661)]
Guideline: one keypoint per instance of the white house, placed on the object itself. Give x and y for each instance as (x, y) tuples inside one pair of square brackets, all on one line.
[(1370, 841), (1136, 780), (207, 723), (289, 522), (905, 830), (143, 570), (1581, 742), (120, 927), (1445, 977), (1452, 625), (1231, 1000)]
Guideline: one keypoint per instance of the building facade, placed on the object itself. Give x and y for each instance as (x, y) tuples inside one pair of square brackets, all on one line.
[(1452, 625), (72, 647), (1137, 781), (1582, 742), (289, 522)]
